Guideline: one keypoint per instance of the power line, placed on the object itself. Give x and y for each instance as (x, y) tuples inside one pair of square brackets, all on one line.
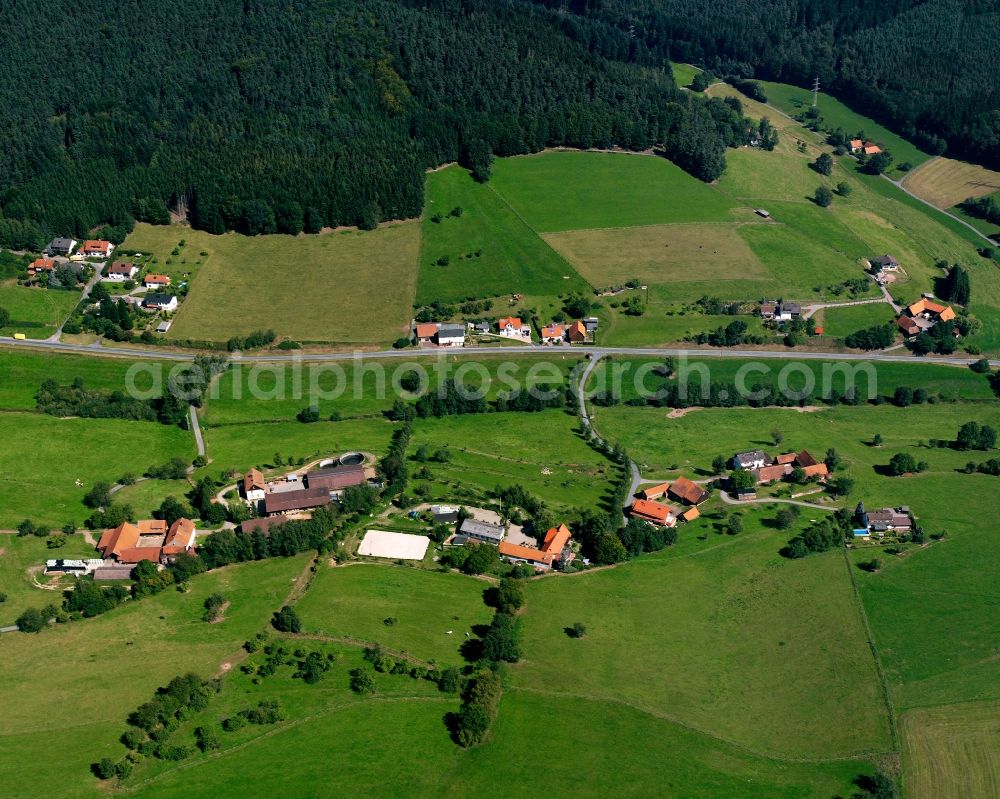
[(815, 90)]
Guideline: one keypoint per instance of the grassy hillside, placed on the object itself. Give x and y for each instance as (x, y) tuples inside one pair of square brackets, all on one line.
[(36, 312)]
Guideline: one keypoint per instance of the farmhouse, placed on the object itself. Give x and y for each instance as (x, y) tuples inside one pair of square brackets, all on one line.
[(754, 459), (768, 309), (160, 302), (425, 332), (60, 247), (907, 326), (485, 532), (556, 542), (653, 512), (553, 334), (515, 553), (686, 491), (690, 515), (148, 539), (451, 336), (931, 311), (97, 248), (156, 281), (856, 145), (513, 327), (336, 478), (120, 272), (577, 332), (254, 487), (299, 499), (777, 471), (786, 463), (871, 148)]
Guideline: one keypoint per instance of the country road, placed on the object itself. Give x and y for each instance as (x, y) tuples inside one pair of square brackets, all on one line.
[(535, 349)]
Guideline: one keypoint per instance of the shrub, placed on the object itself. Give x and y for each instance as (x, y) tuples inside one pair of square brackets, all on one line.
[(287, 620)]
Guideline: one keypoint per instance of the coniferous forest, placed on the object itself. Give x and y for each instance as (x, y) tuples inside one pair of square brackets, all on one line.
[(292, 115), (929, 69)]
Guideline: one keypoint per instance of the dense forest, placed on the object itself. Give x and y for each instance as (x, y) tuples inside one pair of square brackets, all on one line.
[(291, 115), (930, 69)]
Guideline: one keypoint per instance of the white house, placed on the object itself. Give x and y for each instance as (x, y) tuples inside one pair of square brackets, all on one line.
[(160, 302), (156, 281), (254, 487), (120, 272), (97, 248), (451, 336), (754, 459), (787, 311), (512, 327)]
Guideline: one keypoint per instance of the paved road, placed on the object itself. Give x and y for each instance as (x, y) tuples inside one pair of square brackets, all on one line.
[(193, 413), (728, 500), (98, 269), (597, 352)]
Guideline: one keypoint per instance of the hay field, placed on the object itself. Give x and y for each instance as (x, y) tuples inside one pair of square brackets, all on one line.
[(945, 182)]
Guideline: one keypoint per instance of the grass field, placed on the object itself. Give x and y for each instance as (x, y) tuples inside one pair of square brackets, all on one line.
[(841, 322), (658, 327), (355, 600), (146, 496), (557, 191), (23, 371), (43, 456), (511, 257), (712, 628), (952, 751), (37, 313), (982, 225), (793, 101), (659, 254), (116, 662), (945, 182), (539, 451), (323, 288), (683, 73), (17, 555)]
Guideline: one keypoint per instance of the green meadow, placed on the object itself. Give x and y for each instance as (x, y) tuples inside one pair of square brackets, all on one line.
[(683, 73), (36, 312), (354, 601), (490, 249), (20, 558), (556, 191), (840, 322), (43, 457)]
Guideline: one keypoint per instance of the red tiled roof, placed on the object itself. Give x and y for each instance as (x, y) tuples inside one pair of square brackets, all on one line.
[(525, 553), (687, 491), (556, 540), (160, 279), (43, 264), (426, 330), (652, 492), (786, 457), (577, 331), (98, 245), (805, 458), (691, 514), (510, 321), (816, 470), (253, 479), (137, 554), (776, 472), (908, 326), (553, 331), (651, 511), (180, 537)]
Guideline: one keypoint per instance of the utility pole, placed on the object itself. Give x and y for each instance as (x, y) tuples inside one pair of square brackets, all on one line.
[(815, 90)]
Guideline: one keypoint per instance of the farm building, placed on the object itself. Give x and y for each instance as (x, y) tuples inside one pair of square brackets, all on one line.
[(451, 336), (482, 531), (653, 512), (514, 553), (655, 492), (577, 332), (147, 539), (687, 491), (298, 499), (336, 478), (254, 487), (753, 459)]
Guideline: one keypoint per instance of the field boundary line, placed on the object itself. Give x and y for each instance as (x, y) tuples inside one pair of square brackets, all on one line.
[(659, 714), (876, 657)]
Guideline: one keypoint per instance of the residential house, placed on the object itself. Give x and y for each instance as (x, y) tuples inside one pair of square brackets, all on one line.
[(336, 478), (160, 302), (121, 271), (97, 248), (515, 553), (156, 281), (513, 327), (254, 487), (41, 265), (786, 311), (180, 538), (856, 145), (299, 499), (768, 309), (753, 459), (451, 336), (425, 332), (687, 491), (884, 263), (484, 532), (577, 332), (655, 492), (871, 148), (553, 334), (885, 520), (653, 512), (60, 247)]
